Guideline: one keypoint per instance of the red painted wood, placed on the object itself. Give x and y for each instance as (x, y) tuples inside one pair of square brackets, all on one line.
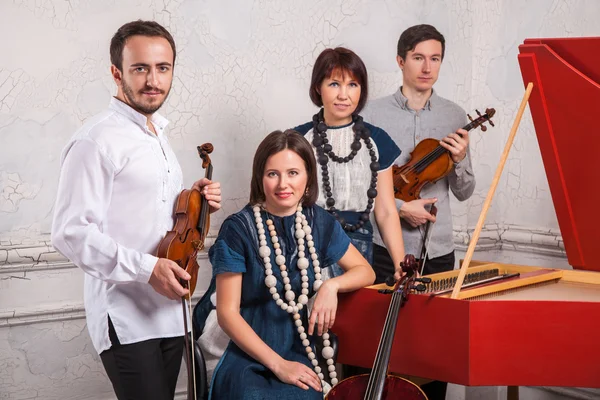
[(477, 343), (513, 343), (564, 104)]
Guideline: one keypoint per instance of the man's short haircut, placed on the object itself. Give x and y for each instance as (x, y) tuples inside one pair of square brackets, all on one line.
[(139, 27), (347, 62), (410, 38)]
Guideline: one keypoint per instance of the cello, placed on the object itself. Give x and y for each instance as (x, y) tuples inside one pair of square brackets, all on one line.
[(379, 385), (429, 162), (181, 245)]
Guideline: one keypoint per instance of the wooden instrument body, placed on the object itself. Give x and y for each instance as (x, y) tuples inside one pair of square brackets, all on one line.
[(409, 180), (354, 388), (504, 334), (181, 245), (183, 242), (429, 162)]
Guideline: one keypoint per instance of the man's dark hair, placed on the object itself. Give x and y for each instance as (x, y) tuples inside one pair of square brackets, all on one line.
[(274, 143), (349, 63), (410, 38), (139, 27)]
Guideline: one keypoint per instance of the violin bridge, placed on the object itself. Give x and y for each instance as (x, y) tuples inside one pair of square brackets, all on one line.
[(198, 245)]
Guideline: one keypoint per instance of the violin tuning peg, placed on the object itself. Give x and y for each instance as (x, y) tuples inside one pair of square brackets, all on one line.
[(423, 280), (483, 128), (470, 118), (478, 113), (491, 122)]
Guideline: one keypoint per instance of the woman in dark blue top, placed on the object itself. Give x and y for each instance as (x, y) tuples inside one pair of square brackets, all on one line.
[(266, 264), (355, 157)]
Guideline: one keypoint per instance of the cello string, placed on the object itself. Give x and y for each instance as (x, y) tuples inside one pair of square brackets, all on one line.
[(376, 372)]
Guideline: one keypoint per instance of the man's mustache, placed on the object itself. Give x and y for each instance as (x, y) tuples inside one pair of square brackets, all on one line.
[(152, 89)]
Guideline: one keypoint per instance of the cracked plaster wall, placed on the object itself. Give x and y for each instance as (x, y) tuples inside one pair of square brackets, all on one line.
[(243, 70)]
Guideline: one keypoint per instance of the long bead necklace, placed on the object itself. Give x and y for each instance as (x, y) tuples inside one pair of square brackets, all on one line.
[(305, 244), (325, 151)]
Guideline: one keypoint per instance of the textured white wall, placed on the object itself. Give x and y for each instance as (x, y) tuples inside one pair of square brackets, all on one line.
[(243, 70)]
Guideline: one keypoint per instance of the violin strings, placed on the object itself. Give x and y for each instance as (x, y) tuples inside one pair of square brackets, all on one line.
[(426, 160)]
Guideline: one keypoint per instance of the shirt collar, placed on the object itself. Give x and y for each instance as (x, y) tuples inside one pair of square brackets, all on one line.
[(403, 101), (138, 118)]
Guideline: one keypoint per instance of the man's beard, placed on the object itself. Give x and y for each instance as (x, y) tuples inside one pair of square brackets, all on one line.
[(138, 106)]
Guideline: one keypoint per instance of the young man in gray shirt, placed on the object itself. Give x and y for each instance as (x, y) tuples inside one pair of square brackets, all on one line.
[(415, 112)]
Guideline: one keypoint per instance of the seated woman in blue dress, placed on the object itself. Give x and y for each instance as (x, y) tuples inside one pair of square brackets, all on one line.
[(355, 157), (266, 265)]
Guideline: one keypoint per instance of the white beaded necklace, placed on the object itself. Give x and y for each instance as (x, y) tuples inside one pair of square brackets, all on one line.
[(303, 231)]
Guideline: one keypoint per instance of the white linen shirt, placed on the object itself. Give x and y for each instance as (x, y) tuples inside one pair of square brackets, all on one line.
[(116, 196)]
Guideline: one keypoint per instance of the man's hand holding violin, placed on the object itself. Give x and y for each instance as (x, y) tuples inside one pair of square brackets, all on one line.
[(211, 191), (456, 143), (166, 273)]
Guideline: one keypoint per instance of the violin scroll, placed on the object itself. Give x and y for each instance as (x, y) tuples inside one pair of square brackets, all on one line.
[(203, 151), (489, 113)]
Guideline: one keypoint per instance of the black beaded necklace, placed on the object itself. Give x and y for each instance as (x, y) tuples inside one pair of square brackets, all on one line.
[(325, 151)]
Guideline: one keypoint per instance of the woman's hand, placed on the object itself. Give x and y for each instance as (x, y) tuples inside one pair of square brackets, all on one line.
[(325, 307), (295, 373)]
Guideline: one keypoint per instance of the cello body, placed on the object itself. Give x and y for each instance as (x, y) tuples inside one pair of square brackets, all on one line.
[(379, 385), (355, 388)]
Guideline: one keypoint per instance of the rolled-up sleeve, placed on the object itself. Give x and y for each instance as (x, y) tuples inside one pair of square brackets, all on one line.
[(83, 198)]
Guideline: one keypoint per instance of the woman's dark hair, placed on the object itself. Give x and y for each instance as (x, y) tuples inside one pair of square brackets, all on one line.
[(410, 38), (349, 63), (274, 143), (139, 27)]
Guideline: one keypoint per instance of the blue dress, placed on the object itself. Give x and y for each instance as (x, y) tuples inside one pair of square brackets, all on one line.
[(237, 375)]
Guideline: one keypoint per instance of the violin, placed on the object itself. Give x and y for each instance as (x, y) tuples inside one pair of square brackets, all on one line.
[(379, 385), (429, 162), (181, 245)]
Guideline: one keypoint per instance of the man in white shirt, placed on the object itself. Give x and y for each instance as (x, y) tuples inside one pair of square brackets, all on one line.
[(118, 186)]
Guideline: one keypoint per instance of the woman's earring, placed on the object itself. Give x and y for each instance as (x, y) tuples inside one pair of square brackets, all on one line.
[(306, 193)]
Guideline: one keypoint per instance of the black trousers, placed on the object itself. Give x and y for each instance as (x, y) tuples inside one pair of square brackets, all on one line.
[(144, 370), (384, 267)]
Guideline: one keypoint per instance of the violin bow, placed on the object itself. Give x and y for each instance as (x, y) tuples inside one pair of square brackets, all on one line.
[(427, 239), (189, 344)]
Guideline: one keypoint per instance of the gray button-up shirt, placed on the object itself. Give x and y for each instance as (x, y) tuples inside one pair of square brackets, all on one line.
[(408, 127)]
